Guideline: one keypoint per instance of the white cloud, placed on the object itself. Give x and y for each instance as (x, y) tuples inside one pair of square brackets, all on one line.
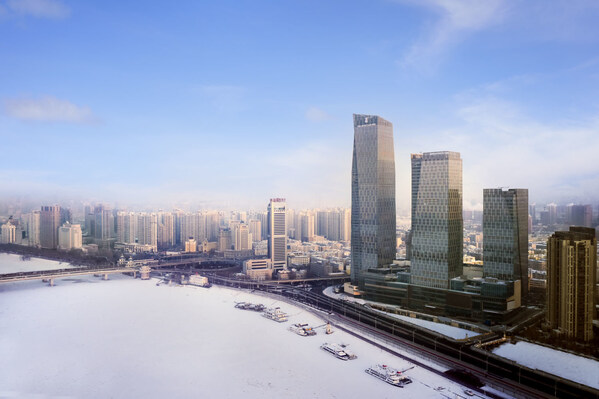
[(39, 8), (48, 109), (456, 20), (317, 115)]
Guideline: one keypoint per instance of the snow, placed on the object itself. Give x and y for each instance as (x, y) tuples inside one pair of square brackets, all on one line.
[(11, 263), (125, 338), (450, 331), (566, 365)]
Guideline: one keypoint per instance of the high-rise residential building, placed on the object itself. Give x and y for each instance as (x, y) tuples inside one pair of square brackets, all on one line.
[(191, 245), (147, 229), (307, 226), (552, 213), (166, 230), (505, 235), (277, 233), (33, 228), (49, 223), (571, 268), (70, 237), (436, 252), (224, 239), (345, 225), (243, 239), (103, 222), (373, 195), (256, 230), (8, 233)]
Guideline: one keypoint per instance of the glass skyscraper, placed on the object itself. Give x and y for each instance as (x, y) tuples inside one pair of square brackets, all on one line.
[(373, 195), (277, 233), (505, 234), (436, 218)]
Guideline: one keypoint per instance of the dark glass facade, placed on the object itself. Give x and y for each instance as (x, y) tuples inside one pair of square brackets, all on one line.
[(373, 196), (505, 234), (436, 254)]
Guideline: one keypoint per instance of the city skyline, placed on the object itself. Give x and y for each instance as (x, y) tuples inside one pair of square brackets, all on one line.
[(171, 106)]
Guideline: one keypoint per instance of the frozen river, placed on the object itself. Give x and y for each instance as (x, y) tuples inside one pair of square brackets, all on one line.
[(11, 263), (127, 338)]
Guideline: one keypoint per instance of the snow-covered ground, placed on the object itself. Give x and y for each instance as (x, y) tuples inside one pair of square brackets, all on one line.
[(450, 331), (127, 338), (566, 365), (11, 263)]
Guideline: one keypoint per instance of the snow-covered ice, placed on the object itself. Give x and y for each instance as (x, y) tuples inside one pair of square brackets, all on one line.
[(450, 331), (566, 365), (125, 338), (11, 263)]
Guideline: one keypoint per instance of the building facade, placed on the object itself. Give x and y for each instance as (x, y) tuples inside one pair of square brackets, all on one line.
[(571, 268), (277, 233), (49, 223), (437, 243), (70, 237), (505, 235), (8, 233), (373, 218)]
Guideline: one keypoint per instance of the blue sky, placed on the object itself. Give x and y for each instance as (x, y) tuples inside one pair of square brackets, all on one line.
[(228, 103)]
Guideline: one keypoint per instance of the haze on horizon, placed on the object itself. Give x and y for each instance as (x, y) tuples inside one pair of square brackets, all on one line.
[(230, 103)]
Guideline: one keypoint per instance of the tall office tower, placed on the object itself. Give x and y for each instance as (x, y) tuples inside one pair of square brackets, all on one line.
[(49, 223), (224, 239), (505, 235), (65, 216), (581, 215), (8, 233), (571, 263), (277, 233), (532, 211), (436, 254), (33, 228), (373, 195), (552, 209), (256, 230), (70, 237)]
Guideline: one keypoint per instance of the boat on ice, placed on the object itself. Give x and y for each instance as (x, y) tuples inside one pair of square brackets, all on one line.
[(257, 307), (389, 375), (339, 351), (275, 314), (302, 329), (200, 281)]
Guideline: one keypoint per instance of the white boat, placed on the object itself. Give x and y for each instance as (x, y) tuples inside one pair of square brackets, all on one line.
[(389, 375), (339, 351), (275, 314), (302, 329)]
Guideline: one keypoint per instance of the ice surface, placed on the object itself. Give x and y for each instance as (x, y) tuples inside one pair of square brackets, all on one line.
[(11, 263), (566, 365), (127, 338)]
